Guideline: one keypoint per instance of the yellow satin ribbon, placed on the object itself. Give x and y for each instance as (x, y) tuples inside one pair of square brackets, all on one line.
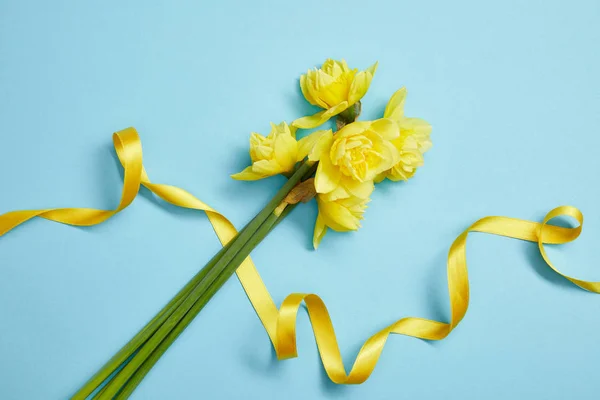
[(281, 324)]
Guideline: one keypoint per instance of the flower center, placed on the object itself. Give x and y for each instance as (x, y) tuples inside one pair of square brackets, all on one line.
[(354, 155)]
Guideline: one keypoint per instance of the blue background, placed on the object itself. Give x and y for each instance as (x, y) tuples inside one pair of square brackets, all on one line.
[(512, 91)]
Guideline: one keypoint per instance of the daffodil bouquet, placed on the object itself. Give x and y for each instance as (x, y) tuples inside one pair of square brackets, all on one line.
[(339, 168)]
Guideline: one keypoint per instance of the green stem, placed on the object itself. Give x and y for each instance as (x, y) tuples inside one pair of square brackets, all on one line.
[(146, 332), (211, 275), (199, 304), (147, 365)]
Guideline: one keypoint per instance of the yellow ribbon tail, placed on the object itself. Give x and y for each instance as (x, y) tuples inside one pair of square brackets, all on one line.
[(281, 324)]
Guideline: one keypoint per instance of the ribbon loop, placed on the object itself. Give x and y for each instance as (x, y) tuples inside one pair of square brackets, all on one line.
[(281, 324)]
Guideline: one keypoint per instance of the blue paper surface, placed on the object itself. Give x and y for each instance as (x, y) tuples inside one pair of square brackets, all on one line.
[(511, 88)]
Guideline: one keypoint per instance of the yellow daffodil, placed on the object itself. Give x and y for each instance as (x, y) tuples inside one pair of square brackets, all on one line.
[(334, 87), (353, 157), (412, 141), (339, 214), (274, 154)]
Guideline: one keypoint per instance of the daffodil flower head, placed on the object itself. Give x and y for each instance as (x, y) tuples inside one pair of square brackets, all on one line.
[(270, 155), (341, 214), (334, 87), (354, 156), (412, 142)]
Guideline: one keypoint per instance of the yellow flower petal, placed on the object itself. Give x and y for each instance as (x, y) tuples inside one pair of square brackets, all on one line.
[(320, 231), (286, 151), (352, 129), (338, 193), (387, 128), (389, 155), (256, 141), (381, 177), (344, 66), (395, 107), (306, 91), (361, 190), (340, 214), (418, 128), (306, 144), (327, 177), (312, 83), (312, 121), (321, 146), (266, 168), (361, 84), (337, 217), (247, 175)]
